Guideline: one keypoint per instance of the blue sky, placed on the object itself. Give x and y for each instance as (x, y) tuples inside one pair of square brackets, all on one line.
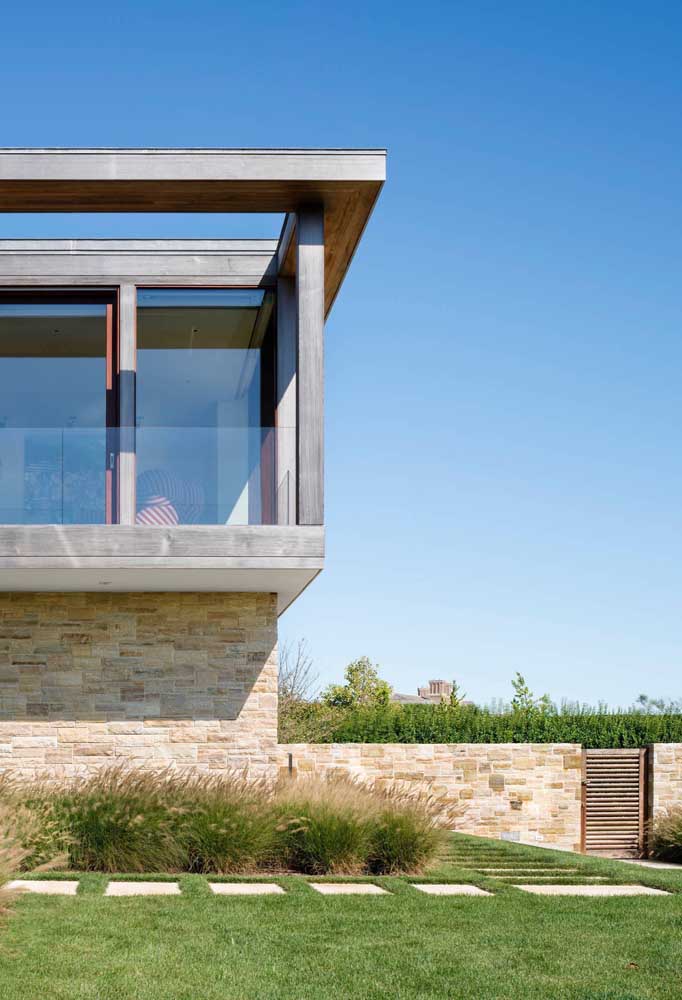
[(503, 363)]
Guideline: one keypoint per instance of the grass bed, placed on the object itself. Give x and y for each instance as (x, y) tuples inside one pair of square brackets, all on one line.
[(126, 820)]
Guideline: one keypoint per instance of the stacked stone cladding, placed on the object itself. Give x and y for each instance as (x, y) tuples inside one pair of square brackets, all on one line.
[(151, 679), (665, 771)]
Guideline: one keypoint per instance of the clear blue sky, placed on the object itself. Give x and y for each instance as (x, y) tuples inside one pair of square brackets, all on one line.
[(504, 393)]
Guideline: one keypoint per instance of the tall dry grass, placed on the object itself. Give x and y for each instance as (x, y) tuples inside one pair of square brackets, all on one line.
[(666, 835), (125, 820)]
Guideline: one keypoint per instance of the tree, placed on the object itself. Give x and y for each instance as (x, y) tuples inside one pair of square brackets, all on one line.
[(525, 701), (363, 688), (302, 719), (457, 696), (298, 679)]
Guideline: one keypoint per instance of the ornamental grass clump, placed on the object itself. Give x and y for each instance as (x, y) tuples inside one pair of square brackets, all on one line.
[(12, 855), (409, 833), (344, 827), (227, 823), (118, 820), (325, 827), (666, 835)]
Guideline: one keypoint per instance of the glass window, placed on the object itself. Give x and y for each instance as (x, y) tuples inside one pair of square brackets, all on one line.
[(53, 410), (205, 406)]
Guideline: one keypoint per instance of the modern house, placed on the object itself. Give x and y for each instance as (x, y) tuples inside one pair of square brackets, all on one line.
[(161, 449)]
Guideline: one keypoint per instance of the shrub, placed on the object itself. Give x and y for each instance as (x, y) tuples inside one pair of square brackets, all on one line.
[(444, 723), (666, 835)]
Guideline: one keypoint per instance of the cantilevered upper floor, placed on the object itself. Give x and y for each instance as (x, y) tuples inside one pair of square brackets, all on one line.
[(161, 401)]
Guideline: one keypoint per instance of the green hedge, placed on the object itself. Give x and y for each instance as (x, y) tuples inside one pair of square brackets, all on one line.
[(446, 724)]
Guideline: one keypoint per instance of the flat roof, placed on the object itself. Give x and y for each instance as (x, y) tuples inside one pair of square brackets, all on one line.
[(346, 182)]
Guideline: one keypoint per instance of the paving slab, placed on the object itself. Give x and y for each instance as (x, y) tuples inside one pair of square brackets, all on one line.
[(592, 890), (45, 887), (449, 889), (521, 870), (246, 889), (348, 889), (142, 889), (652, 864)]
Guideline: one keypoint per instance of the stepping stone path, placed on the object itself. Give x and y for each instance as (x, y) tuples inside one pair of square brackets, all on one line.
[(449, 889), (45, 887), (592, 890), (348, 889), (246, 889), (142, 889)]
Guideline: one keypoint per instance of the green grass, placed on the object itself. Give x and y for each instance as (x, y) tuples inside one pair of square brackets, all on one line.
[(303, 946)]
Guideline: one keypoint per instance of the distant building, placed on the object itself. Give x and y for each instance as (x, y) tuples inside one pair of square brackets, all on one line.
[(435, 692)]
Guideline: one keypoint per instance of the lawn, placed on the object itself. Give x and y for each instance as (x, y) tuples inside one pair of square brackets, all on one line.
[(406, 945)]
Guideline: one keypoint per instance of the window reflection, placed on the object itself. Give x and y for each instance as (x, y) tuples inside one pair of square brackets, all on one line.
[(205, 406), (52, 411)]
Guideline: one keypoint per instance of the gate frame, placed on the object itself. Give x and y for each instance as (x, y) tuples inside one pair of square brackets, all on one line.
[(645, 765)]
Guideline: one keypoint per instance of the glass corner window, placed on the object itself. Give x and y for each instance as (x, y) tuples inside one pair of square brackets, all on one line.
[(56, 418), (205, 440)]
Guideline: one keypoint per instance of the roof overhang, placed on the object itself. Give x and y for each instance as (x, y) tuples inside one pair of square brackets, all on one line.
[(345, 182)]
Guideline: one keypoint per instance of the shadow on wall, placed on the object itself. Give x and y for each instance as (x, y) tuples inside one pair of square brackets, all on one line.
[(134, 657)]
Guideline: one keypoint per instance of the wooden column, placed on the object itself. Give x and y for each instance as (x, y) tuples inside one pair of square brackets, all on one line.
[(127, 367), (310, 366), (286, 401)]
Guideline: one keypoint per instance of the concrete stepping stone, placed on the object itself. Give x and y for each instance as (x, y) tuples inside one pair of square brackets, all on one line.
[(246, 889), (592, 890), (449, 889), (652, 864), (348, 889), (142, 889), (521, 869), (45, 887)]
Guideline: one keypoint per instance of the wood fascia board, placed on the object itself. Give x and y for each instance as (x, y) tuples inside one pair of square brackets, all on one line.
[(270, 542)]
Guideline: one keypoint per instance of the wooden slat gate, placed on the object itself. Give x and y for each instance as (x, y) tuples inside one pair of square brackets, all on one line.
[(615, 803)]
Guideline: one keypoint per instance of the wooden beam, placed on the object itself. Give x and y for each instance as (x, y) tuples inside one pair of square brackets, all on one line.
[(286, 249), (286, 401), (310, 366), (127, 376), (139, 260)]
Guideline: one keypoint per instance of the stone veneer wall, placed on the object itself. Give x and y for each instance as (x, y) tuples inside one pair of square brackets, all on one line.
[(154, 679), (526, 792), (665, 770)]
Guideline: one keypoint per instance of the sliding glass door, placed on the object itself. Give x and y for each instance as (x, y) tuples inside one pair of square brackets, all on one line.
[(58, 408)]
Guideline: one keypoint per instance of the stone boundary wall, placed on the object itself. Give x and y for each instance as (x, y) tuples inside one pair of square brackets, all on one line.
[(665, 774), (516, 791)]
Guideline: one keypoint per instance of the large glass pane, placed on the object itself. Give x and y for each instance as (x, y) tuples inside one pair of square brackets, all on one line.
[(52, 412), (205, 407)]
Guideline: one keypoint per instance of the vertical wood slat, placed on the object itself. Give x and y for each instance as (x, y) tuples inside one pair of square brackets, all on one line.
[(310, 366), (127, 369), (286, 401)]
